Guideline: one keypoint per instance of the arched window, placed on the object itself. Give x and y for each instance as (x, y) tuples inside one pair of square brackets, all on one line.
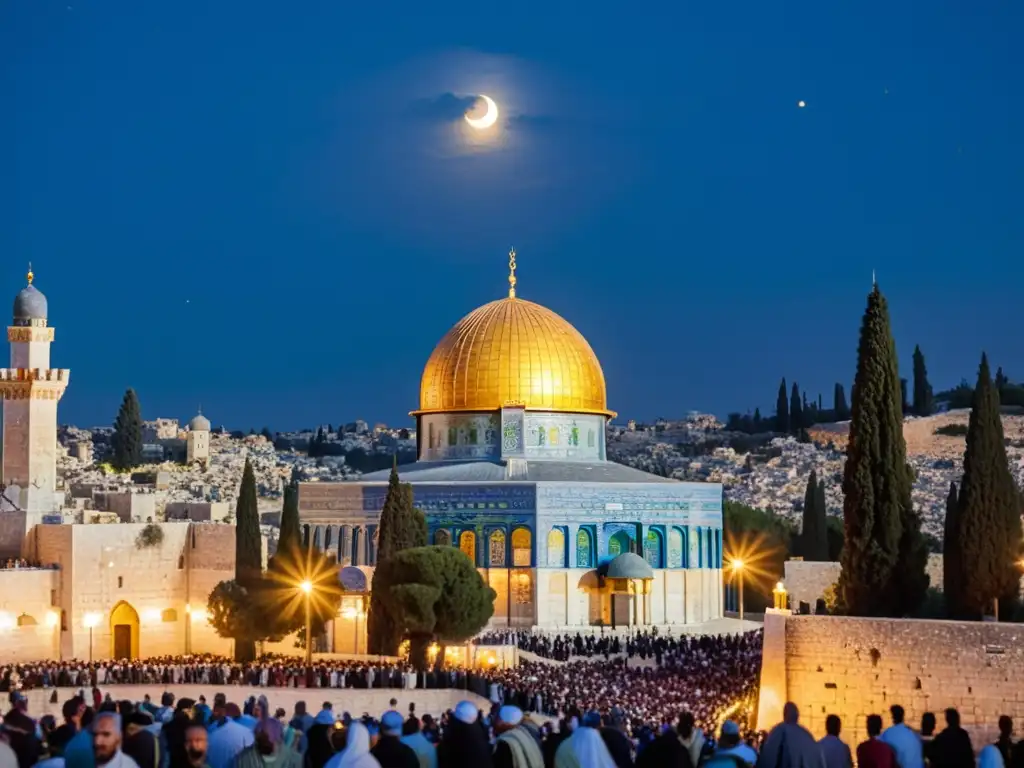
[(496, 549), (443, 537), (556, 548), (522, 544), (618, 544), (467, 543), (168, 615), (27, 621), (584, 547), (652, 548), (344, 543), (553, 436), (675, 547)]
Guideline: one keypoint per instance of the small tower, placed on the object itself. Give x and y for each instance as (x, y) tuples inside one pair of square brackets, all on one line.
[(31, 390), (197, 442)]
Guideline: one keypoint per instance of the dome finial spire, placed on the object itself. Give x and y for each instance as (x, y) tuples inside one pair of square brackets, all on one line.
[(31, 275), (512, 273)]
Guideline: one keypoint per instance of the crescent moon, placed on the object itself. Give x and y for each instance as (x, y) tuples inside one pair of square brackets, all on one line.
[(489, 119)]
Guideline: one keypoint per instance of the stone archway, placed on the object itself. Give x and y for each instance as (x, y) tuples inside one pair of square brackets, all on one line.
[(124, 632)]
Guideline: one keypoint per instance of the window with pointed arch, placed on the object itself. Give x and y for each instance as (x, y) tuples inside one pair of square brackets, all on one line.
[(652, 548), (496, 550), (675, 547), (443, 537), (467, 543), (556, 548), (522, 543), (584, 549), (619, 543)]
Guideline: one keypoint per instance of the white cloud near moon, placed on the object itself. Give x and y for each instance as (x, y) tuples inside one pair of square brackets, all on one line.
[(404, 158)]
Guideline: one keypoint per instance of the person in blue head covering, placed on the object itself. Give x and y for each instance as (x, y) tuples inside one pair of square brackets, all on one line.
[(389, 749)]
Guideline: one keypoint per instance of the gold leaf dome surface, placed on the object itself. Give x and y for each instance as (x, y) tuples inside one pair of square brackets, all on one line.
[(513, 352)]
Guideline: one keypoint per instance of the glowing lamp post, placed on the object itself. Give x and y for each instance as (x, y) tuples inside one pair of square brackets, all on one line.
[(737, 569), (779, 593), (307, 589), (91, 620)]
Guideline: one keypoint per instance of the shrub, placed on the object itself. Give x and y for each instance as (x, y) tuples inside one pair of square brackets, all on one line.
[(150, 536)]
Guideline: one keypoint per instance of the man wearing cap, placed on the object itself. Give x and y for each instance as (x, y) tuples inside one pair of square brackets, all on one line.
[(516, 747), (464, 743), (732, 752), (389, 750)]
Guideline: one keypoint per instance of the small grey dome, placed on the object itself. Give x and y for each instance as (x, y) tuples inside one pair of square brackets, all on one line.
[(630, 566), (29, 304), (199, 423)]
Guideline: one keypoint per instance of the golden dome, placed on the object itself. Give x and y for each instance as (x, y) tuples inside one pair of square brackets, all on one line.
[(513, 352)]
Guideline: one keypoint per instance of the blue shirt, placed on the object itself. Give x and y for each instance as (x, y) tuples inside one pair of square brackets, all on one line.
[(78, 752), (906, 744), (426, 752), (226, 742)]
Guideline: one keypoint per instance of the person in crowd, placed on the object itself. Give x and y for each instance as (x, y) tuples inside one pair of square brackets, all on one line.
[(732, 752), (389, 749), (412, 737), (106, 742), (1005, 741), (78, 753), (229, 737), (318, 738), (268, 749), (172, 734), (692, 738), (927, 736), (833, 749), (196, 745), (952, 747), (356, 753), (662, 751), (990, 757), (56, 743), (612, 730), (875, 753), (584, 749), (464, 743), (790, 745), (21, 731), (515, 746), (8, 758), (904, 742), (138, 742)]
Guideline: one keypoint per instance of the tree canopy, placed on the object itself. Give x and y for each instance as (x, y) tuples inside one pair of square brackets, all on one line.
[(126, 442)]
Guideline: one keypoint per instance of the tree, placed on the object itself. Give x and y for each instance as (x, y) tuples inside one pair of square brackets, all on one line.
[(266, 433), (126, 441), (433, 593), (988, 534), (1001, 381), (904, 405), (814, 535), (842, 411), (231, 614), (290, 536), (922, 405), (248, 540), (769, 537), (796, 411), (884, 556), (401, 527), (782, 409), (952, 577)]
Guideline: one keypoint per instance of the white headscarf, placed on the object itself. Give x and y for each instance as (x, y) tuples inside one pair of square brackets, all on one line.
[(357, 750), (586, 749)]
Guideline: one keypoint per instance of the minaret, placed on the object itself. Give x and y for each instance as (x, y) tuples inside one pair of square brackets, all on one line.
[(31, 390)]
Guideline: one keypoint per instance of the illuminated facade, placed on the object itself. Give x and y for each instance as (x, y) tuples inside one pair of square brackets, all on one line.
[(512, 469)]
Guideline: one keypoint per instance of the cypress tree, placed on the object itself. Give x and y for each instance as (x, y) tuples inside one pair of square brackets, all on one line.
[(988, 533), (904, 405), (290, 538), (821, 505), (952, 576), (922, 405), (757, 419), (248, 541), (782, 409), (879, 521), (126, 442), (1001, 380), (401, 526), (842, 411), (814, 536), (796, 411)]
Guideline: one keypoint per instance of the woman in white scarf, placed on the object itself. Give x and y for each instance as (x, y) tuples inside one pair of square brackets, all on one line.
[(356, 753), (584, 749)]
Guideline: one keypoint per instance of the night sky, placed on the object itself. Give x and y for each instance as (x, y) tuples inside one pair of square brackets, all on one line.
[(274, 209)]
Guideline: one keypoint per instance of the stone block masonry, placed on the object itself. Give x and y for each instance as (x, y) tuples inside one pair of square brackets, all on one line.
[(855, 667)]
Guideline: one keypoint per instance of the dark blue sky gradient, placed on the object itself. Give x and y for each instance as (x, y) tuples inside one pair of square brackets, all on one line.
[(269, 208)]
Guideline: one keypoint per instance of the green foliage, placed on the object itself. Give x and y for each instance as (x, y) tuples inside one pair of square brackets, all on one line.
[(831, 598), (770, 538), (922, 405), (402, 527), (952, 575), (884, 556), (952, 430), (814, 533), (932, 607), (290, 536), (150, 536), (987, 537), (796, 411), (840, 410), (834, 534), (433, 593), (782, 409), (126, 442), (248, 541), (234, 614)]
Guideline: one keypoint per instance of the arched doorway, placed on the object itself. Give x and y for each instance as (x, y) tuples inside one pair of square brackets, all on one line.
[(124, 632)]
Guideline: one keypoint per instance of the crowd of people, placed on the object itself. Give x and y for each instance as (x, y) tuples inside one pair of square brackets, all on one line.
[(563, 647), (13, 563)]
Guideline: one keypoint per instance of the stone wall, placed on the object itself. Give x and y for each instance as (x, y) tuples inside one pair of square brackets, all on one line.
[(28, 619), (854, 667), (12, 533), (807, 581)]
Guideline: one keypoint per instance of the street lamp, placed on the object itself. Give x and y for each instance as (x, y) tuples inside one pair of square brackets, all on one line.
[(737, 568), (90, 620), (307, 589)]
